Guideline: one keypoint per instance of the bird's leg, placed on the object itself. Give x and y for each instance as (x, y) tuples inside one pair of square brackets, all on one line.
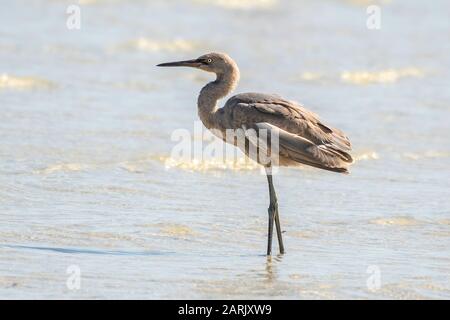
[(270, 231), (278, 226), (273, 215)]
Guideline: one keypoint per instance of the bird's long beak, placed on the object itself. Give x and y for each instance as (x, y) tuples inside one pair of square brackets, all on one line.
[(194, 63)]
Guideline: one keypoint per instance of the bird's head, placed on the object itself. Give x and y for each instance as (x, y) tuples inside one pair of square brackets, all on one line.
[(218, 63)]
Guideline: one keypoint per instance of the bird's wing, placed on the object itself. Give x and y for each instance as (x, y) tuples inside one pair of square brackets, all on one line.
[(251, 108), (298, 149)]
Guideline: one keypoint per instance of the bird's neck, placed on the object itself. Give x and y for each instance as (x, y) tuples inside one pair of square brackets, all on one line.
[(213, 92)]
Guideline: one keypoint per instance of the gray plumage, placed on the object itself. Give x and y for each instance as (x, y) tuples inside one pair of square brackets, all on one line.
[(303, 137)]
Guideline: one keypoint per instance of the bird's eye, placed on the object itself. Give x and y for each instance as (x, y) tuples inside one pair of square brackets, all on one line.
[(209, 60)]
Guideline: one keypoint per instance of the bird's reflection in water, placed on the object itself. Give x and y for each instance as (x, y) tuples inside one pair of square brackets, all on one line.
[(271, 266)]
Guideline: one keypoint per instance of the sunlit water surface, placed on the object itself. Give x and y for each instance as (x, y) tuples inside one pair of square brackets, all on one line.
[(87, 178)]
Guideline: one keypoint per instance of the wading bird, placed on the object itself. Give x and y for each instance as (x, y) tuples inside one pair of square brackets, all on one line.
[(302, 137)]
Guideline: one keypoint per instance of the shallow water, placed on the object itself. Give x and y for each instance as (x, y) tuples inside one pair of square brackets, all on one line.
[(87, 178)]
